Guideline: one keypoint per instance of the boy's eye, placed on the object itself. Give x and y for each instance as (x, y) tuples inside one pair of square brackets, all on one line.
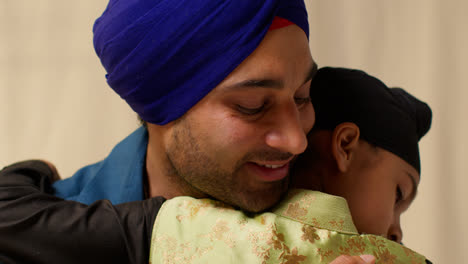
[(249, 111), (399, 195)]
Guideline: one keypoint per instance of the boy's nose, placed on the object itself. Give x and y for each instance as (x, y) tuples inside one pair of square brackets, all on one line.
[(394, 232)]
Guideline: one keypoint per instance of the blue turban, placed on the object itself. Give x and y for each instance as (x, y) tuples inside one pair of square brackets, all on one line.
[(163, 56)]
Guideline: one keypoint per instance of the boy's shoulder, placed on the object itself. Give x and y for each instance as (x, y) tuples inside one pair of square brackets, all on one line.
[(307, 227)]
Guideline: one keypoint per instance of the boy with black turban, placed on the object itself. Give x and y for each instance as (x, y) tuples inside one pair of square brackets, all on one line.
[(364, 147)]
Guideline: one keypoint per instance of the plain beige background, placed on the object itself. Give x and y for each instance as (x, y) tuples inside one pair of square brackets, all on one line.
[(55, 104)]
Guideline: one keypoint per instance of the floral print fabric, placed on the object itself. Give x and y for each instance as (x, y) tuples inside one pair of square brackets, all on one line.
[(307, 227)]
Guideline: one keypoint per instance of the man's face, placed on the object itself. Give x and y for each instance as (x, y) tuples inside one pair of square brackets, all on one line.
[(378, 189), (237, 143)]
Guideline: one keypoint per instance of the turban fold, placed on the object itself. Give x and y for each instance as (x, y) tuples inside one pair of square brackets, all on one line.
[(389, 118), (163, 56)]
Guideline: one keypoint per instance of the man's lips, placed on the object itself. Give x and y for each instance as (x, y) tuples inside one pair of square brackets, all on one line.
[(270, 171)]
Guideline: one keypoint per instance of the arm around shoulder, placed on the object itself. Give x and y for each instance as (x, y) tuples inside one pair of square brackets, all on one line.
[(37, 227)]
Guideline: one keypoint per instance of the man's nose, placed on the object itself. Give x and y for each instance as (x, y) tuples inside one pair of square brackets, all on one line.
[(394, 232), (288, 131)]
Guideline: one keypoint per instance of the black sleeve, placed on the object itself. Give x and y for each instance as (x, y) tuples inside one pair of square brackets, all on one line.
[(36, 227)]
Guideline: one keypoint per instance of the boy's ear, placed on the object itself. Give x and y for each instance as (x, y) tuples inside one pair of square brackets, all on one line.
[(345, 140)]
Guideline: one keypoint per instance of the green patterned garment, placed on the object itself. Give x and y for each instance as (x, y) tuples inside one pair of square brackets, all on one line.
[(306, 227)]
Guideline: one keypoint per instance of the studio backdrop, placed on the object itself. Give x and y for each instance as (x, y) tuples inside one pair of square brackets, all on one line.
[(55, 104)]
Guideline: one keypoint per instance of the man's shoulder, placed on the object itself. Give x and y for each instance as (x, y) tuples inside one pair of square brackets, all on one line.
[(71, 187), (117, 178)]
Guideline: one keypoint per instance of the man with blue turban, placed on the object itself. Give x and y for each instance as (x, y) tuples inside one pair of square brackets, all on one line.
[(222, 93), (223, 87)]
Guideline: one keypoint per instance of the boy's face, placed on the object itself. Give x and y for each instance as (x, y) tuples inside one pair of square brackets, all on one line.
[(379, 187)]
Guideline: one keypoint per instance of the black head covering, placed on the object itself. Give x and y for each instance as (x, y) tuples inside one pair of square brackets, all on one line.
[(389, 118)]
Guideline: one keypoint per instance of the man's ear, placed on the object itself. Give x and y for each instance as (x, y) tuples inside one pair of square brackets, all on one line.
[(345, 140)]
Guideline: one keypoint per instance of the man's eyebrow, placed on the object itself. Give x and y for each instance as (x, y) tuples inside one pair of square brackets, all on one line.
[(264, 83), (269, 83), (414, 191)]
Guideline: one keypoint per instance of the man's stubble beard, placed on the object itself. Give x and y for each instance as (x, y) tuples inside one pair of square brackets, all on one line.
[(198, 175)]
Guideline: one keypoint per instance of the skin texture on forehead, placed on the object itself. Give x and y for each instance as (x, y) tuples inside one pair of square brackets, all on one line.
[(259, 115)]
